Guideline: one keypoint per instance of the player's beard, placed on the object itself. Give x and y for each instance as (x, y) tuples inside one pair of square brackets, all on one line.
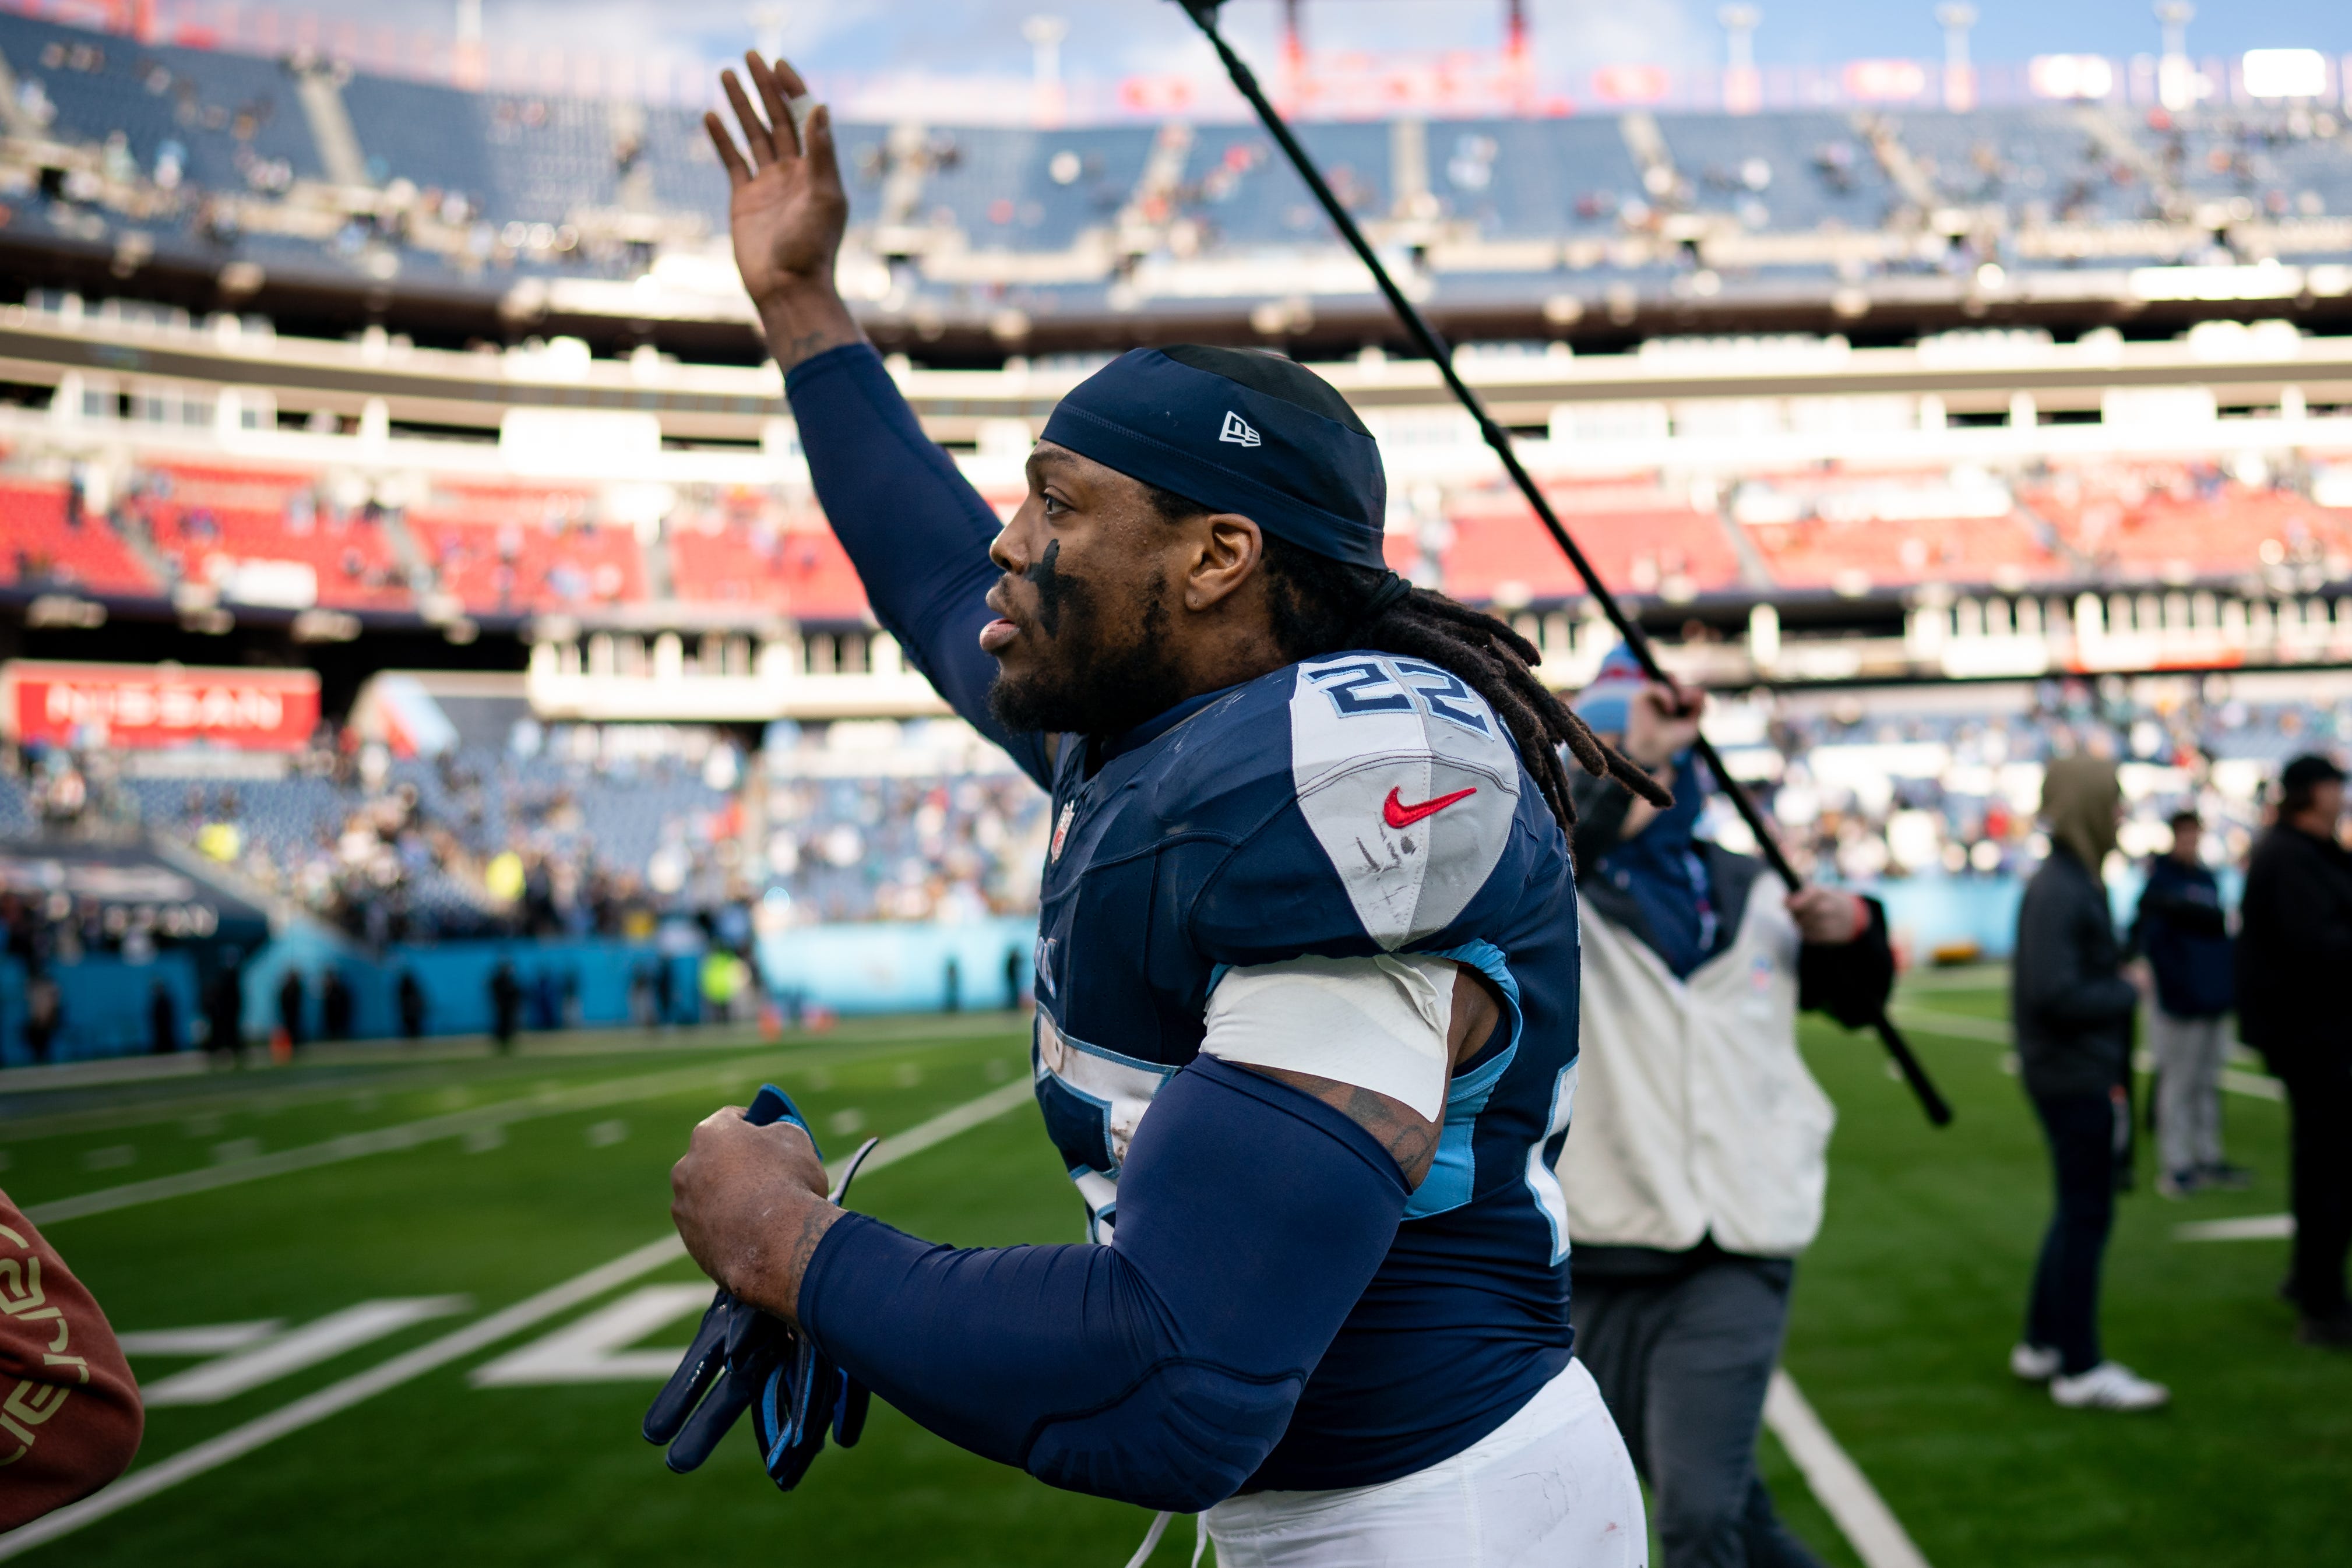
[(1101, 669)]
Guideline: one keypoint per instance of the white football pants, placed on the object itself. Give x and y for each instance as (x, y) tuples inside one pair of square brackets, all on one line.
[(1553, 1486)]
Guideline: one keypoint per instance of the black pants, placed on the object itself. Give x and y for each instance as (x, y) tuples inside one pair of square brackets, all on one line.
[(1682, 1359), (2064, 1312), (2319, 1101)]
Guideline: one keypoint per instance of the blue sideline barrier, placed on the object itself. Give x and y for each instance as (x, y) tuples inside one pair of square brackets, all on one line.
[(861, 968), (850, 969)]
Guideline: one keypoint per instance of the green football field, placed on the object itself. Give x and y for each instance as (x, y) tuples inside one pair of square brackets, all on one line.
[(433, 1340)]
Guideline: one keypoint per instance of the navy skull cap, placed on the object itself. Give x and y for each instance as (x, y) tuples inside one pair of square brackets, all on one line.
[(1236, 432)]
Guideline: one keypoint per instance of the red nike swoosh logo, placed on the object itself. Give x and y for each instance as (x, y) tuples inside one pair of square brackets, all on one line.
[(1397, 814)]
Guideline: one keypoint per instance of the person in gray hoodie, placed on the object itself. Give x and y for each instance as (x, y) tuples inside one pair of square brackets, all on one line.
[(2073, 1009)]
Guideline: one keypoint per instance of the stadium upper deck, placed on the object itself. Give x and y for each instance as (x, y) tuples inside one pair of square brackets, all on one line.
[(301, 182), (1916, 453)]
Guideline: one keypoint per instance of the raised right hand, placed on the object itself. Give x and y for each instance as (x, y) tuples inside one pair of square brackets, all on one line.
[(1662, 721), (786, 210)]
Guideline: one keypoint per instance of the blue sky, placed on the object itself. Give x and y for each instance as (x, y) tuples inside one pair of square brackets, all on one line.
[(1114, 37)]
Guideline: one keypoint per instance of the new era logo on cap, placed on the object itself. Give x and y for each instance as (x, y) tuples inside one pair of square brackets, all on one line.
[(1237, 430)]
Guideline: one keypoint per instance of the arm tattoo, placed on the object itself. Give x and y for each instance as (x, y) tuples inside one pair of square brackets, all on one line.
[(775, 1273), (1410, 1137), (803, 347)]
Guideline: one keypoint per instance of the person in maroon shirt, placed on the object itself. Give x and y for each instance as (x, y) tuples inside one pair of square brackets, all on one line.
[(70, 1412)]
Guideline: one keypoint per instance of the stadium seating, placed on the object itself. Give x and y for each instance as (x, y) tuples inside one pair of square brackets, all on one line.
[(1853, 555), (1817, 169), (1005, 188), (16, 817), (431, 135), (2148, 520), (1643, 541), (506, 550), (1244, 195), (1532, 179), (2013, 158), (2280, 162), (233, 119), (43, 542), (863, 849), (802, 572), (209, 518), (1851, 531)]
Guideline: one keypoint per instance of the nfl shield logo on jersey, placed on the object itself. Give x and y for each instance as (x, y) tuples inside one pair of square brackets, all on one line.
[(1062, 830)]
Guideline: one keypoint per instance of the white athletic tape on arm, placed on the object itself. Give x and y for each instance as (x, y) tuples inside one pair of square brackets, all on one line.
[(1378, 1023)]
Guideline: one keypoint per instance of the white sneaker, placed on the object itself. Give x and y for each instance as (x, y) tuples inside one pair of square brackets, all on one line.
[(2034, 1363), (2110, 1386)]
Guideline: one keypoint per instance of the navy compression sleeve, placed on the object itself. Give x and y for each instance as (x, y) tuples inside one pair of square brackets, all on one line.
[(914, 528), (1160, 1369)]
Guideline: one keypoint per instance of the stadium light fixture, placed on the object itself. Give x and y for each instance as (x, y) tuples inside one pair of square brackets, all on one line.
[(1959, 75), (1204, 13), (2178, 84), (1743, 86), (2284, 73)]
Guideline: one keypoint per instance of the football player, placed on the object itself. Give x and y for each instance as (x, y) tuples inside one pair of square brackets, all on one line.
[(1306, 975)]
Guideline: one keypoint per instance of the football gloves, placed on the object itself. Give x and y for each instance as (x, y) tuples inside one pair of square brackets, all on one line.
[(742, 1359)]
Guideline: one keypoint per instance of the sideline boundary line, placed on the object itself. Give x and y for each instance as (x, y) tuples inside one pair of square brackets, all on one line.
[(239, 1441), (1869, 1526)]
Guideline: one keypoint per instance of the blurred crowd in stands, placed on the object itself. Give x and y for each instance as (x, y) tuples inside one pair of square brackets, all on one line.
[(569, 831)]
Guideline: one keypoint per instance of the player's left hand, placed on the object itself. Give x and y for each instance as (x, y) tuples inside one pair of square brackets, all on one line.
[(750, 1204), (1828, 917)]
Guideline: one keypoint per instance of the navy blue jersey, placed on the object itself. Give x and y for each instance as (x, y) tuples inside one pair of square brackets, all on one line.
[(1348, 806), (1259, 828)]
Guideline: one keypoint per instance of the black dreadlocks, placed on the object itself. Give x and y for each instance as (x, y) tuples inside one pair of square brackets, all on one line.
[(1324, 606)]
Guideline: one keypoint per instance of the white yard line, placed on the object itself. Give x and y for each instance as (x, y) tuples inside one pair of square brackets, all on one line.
[(2246, 1228), (386, 1140), (337, 1333), (236, 1443), (1869, 1526)]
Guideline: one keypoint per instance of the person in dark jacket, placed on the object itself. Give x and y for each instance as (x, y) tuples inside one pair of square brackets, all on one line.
[(2072, 1011), (2295, 951), (162, 1019), (336, 1005), (225, 1012), (45, 1010), (1695, 1171), (506, 1003), (2185, 933), (410, 995), (289, 1007)]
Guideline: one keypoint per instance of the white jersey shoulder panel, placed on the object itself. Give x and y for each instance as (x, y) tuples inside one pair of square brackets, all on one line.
[(1409, 782)]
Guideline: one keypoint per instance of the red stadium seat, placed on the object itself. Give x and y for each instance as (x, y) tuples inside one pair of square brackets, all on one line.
[(509, 549), (1641, 540), (212, 515), (42, 547), (1853, 530), (800, 571), (2164, 519), (1851, 555)]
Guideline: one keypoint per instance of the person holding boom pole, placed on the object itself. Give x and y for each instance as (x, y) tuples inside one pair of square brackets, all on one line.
[(1697, 1171)]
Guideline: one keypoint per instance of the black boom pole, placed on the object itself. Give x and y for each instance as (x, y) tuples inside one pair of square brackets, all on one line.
[(1204, 15)]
